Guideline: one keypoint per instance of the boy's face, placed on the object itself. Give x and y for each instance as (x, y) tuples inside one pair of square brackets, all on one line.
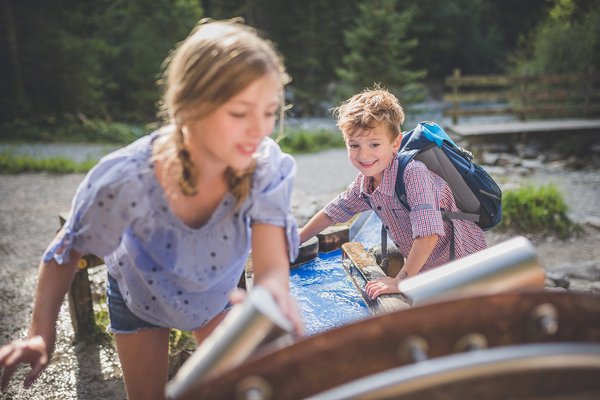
[(371, 151)]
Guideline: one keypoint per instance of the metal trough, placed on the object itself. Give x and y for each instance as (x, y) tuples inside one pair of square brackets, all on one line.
[(480, 327), (489, 346)]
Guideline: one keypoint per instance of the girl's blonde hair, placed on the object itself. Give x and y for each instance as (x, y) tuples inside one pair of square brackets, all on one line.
[(215, 62), (364, 110)]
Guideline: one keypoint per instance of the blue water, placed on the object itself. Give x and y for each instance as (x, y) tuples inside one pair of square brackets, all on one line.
[(325, 294), (367, 230)]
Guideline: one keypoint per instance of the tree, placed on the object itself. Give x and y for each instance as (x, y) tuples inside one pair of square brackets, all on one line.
[(380, 50), (137, 37), (15, 88), (473, 35), (567, 41)]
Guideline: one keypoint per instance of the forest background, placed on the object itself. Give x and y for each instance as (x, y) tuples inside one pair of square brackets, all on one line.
[(71, 68)]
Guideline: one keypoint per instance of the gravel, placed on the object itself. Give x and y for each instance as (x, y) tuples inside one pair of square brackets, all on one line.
[(28, 220)]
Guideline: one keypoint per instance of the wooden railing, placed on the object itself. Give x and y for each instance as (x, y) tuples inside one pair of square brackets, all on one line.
[(523, 96)]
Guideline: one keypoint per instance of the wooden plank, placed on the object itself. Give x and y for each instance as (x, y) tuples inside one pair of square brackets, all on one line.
[(533, 127), (480, 80), (333, 237), (366, 263), (307, 251)]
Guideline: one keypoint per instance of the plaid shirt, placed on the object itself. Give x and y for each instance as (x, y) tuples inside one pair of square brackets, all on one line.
[(426, 193)]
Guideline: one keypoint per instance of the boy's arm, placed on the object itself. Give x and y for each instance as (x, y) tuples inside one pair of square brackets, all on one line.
[(316, 224), (419, 253)]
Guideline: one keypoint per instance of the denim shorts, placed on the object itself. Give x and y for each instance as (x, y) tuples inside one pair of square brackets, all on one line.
[(121, 319)]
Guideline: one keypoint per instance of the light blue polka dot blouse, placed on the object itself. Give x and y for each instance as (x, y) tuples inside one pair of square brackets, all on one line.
[(170, 274)]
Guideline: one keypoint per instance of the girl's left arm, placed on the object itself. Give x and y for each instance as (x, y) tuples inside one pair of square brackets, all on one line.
[(272, 268)]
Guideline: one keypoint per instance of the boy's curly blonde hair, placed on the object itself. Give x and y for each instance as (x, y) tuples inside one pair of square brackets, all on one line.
[(364, 110)]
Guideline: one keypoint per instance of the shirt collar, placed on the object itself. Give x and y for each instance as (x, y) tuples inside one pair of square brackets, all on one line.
[(388, 182)]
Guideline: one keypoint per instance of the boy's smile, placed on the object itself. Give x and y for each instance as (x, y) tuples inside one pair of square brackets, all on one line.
[(372, 150)]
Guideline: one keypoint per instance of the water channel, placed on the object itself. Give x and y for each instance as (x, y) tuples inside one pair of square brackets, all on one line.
[(326, 295)]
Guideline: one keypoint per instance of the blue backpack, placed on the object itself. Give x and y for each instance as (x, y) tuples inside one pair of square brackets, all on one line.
[(475, 192)]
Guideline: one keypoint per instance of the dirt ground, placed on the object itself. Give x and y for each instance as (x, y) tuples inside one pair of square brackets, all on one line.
[(28, 220)]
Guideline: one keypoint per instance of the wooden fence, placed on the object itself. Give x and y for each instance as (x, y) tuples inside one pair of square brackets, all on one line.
[(523, 96)]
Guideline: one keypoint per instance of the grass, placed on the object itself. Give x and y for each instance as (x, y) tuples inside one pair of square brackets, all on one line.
[(293, 142), (537, 210), (14, 164), (305, 141)]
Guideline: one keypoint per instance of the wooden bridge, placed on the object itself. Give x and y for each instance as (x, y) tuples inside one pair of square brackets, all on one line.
[(536, 107), (518, 129)]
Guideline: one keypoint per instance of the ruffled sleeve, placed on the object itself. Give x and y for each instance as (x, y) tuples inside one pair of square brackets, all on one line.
[(272, 192), (425, 216), (106, 203)]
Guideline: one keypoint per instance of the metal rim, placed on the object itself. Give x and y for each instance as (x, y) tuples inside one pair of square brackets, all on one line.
[(455, 368)]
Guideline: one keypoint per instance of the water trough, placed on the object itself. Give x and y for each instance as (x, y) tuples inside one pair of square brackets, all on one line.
[(483, 327)]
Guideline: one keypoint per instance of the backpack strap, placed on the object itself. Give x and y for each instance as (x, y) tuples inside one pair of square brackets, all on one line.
[(404, 157), (461, 215), (445, 217)]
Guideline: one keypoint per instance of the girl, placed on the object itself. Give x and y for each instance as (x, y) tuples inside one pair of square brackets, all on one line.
[(175, 214)]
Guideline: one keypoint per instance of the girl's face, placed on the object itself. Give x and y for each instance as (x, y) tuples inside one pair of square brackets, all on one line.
[(230, 135), (372, 151)]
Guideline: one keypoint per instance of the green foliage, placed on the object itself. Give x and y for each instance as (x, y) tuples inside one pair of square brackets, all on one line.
[(101, 314), (181, 340), (294, 141), (99, 59), (73, 129), (566, 42), (380, 49), (302, 141), (178, 340), (11, 164), (541, 210)]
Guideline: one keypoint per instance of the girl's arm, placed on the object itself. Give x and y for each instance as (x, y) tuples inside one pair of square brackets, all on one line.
[(419, 253), (53, 283), (316, 224), (272, 268)]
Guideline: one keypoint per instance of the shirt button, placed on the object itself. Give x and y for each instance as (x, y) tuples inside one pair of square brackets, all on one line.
[(379, 207)]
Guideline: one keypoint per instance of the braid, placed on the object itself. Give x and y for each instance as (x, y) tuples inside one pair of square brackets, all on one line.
[(240, 182), (189, 175)]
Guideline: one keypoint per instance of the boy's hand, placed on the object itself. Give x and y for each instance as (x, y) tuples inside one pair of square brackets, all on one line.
[(381, 286)]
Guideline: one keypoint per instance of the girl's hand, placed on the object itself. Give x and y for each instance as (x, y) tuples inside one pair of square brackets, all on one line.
[(381, 286), (33, 351), (286, 303)]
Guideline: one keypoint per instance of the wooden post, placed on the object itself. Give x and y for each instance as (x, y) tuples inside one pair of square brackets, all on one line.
[(587, 86), (455, 104), (81, 305), (524, 97)]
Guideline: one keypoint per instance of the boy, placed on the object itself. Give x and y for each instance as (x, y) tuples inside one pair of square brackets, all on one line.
[(371, 125)]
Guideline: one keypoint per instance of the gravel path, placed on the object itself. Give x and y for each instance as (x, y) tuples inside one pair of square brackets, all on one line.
[(28, 220)]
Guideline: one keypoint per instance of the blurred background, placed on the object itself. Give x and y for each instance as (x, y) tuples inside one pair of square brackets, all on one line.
[(88, 70)]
